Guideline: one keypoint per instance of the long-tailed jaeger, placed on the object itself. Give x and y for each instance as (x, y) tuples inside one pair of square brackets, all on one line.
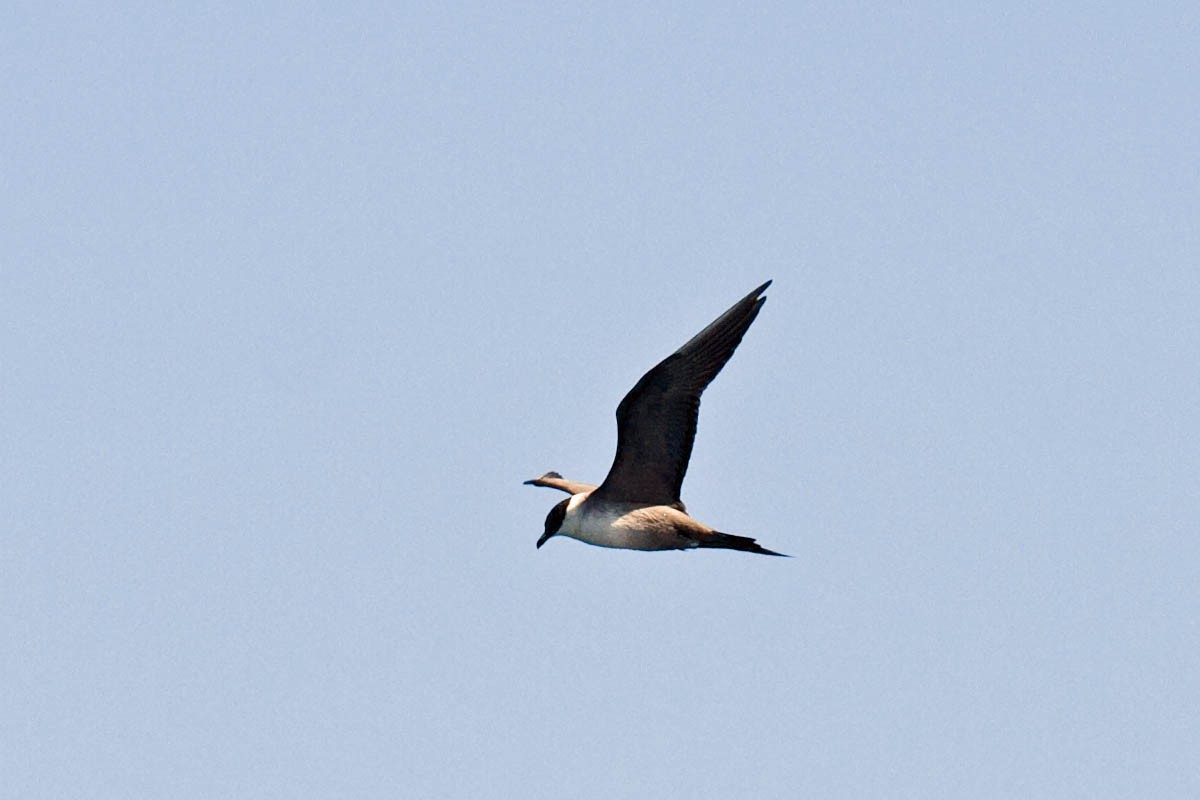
[(638, 506)]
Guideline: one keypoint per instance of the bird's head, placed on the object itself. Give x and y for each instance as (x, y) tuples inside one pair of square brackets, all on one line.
[(554, 521)]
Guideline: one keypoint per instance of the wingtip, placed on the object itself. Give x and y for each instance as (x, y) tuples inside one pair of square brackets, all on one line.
[(756, 294), (535, 481)]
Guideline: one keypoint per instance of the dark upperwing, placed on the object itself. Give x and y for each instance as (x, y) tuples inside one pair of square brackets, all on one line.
[(656, 422)]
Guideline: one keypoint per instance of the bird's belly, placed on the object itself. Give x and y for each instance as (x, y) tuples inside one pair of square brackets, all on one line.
[(639, 529)]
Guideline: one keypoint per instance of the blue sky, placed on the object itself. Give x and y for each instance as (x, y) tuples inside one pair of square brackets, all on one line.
[(294, 298)]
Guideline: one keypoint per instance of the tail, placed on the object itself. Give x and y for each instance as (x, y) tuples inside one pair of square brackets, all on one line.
[(728, 541)]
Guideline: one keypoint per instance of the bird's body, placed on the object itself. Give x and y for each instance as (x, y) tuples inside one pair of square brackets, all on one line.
[(629, 525), (637, 507)]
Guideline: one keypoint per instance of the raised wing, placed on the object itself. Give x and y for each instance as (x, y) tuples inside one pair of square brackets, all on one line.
[(553, 480), (656, 422)]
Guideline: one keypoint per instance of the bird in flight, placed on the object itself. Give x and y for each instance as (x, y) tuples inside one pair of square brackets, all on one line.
[(638, 506)]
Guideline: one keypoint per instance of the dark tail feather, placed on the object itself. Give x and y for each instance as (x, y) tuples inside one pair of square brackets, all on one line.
[(728, 541)]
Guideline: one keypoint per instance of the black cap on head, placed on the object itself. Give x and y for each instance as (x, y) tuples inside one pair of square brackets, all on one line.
[(554, 521)]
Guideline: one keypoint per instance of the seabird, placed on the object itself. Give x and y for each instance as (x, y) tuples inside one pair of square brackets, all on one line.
[(638, 506)]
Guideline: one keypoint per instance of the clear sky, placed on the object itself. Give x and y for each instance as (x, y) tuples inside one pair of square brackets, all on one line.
[(293, 298)]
